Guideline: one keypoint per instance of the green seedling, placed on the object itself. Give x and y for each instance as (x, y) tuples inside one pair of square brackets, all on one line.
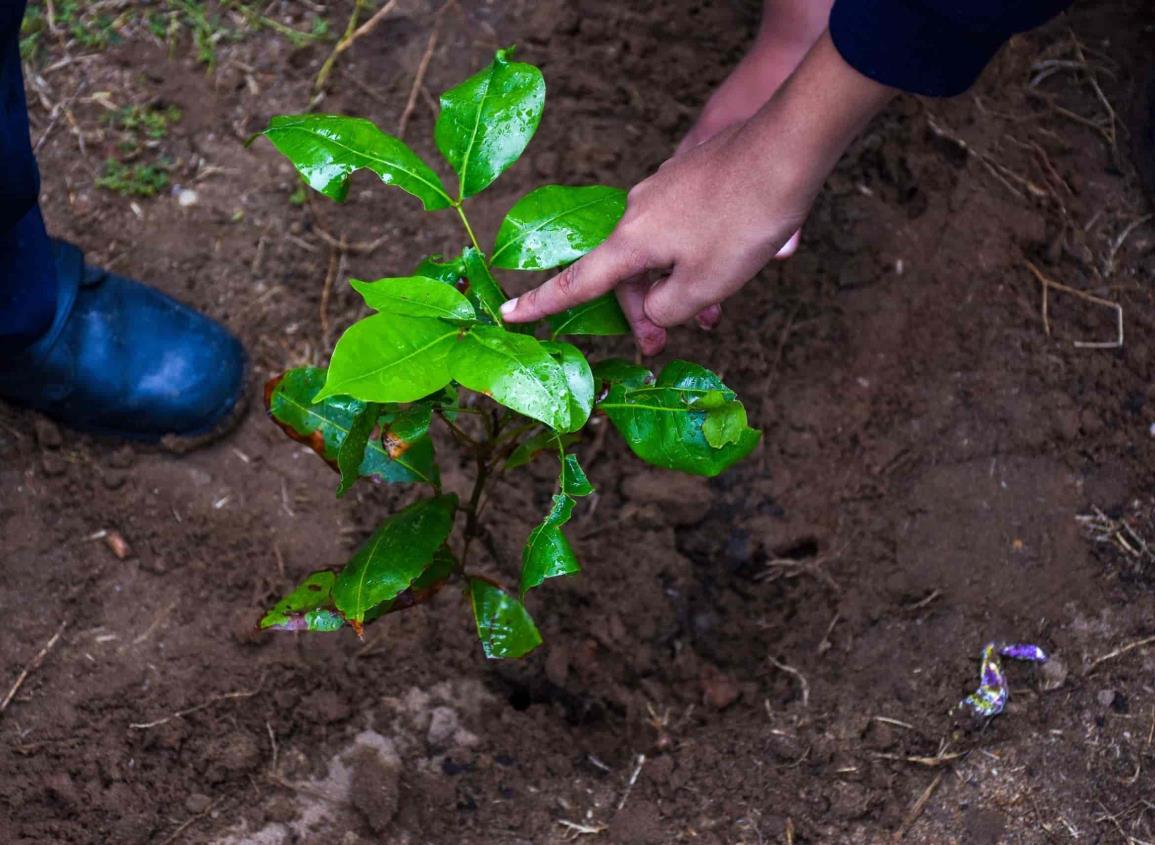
[(437, 352)]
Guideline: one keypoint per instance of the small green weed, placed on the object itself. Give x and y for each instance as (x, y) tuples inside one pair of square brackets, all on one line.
[(134, 180), (206, 24)]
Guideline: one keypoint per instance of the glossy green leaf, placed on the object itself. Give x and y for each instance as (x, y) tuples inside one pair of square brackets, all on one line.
[(725, 424), (423, 588), (327, 149), (308, 608), (486, 122), (579, 378), (547, 440), (503, 624), (573, 478), (351, 453), (663, 423), (547, 552), (395, 555), (324, 427), (450, 272), (415, 296), (390, 358), (483, 287), (555, 225), (601, 316), (514, 370), (613, 371)]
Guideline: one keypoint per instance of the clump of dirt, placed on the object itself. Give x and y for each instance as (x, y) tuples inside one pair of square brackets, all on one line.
[(775, 655)]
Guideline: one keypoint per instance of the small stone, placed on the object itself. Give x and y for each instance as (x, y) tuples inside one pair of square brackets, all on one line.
[(47, 434), (186, 197), (1106, 697), (118, 545), (197, 803), (1052, 674), (52, 465)]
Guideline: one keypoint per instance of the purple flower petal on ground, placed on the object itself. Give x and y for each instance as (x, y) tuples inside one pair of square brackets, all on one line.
[(991, 697), (1024, 651)]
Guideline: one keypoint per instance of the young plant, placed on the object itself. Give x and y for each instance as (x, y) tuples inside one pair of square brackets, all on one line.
[(436, 351)]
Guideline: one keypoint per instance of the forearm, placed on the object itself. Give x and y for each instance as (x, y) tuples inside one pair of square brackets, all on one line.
[(808, 124)]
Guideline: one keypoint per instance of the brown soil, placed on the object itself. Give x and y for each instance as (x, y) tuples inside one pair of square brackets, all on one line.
[(928, 452)]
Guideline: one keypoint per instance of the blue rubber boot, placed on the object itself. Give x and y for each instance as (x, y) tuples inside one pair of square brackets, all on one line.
[(123, 359)]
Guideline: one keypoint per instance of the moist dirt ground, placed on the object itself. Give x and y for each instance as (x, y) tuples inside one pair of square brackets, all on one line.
[(954, 452)]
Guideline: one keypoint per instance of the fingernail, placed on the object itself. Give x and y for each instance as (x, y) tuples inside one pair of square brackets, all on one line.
[(509, 307)]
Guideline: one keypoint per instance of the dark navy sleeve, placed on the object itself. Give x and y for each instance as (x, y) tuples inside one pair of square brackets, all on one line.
[(932, 47)]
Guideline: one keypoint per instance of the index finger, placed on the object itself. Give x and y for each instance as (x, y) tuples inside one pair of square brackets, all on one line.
[(587, 278)]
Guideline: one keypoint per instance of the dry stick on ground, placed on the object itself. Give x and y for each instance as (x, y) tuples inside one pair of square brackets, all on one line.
[(188, 711), (32, 666), (1048, 283), (918, 806), (1000, 171), (1119, 652), (352, 33), (422, 67)]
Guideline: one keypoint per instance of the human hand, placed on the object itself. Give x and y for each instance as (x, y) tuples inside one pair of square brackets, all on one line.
[(713, 216)]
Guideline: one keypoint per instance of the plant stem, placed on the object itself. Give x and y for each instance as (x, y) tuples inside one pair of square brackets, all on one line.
[(472, 526), (468, 228)]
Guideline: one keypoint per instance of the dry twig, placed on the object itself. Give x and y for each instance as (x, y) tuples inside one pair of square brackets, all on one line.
[(918, 806), (1119, 652), (422, 67), (352, 33), (188, 711), (32, 666), (1048, 283)]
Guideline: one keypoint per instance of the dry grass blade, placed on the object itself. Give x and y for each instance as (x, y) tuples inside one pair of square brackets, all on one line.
[(802, 682), (575, 829)]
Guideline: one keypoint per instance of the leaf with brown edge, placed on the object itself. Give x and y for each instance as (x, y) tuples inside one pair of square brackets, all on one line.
[(324, 427)]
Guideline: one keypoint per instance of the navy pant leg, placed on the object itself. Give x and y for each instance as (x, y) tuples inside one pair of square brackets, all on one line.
[(27, 271)]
